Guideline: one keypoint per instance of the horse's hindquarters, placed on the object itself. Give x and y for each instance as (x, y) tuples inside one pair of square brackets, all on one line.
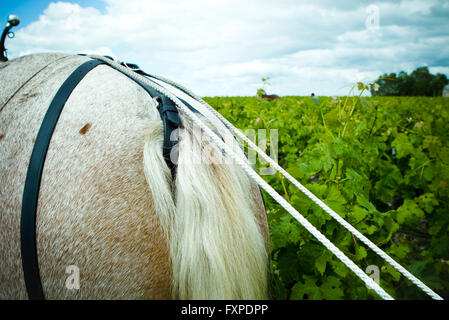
[(94, 209), (97, 205)]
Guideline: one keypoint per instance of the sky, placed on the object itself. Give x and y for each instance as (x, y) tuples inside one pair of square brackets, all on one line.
[(225, 47)]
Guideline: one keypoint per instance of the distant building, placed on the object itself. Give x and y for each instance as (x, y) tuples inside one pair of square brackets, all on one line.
[(446, 91)]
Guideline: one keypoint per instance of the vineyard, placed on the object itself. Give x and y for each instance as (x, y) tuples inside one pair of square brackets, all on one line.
[(382, 163)]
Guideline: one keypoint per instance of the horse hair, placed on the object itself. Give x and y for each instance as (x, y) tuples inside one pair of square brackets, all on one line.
[(217, 249)]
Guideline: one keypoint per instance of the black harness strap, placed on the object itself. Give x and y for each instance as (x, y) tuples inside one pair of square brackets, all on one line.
[(33, 178)]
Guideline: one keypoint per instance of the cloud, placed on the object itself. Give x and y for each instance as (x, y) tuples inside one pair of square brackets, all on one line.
[(226, 47)]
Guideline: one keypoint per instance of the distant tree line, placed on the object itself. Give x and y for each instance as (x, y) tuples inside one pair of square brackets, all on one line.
[(419, 83)]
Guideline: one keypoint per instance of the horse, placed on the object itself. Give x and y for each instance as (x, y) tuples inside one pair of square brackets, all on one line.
[(270, 97), (108, 203), (261, 93)]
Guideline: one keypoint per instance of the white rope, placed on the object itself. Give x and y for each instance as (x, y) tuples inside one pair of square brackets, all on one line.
[(309, 194), (211, 135)]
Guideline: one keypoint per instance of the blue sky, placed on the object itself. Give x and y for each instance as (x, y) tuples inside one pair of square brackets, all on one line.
[(225, 47), (30, 10)]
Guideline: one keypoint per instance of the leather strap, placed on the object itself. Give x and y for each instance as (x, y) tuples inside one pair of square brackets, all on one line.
[(33, 178)]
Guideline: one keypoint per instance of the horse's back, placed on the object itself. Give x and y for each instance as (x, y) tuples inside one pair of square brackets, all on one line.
[(95, 210), (15, 73)]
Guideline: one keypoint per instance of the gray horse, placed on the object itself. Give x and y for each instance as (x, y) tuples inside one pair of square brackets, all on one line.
[(108, 205)]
